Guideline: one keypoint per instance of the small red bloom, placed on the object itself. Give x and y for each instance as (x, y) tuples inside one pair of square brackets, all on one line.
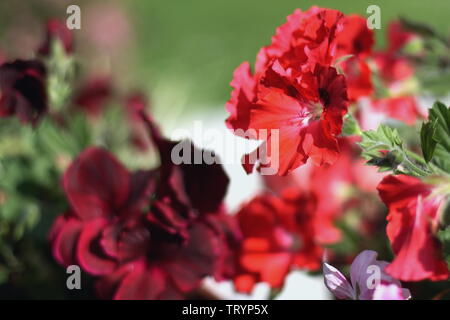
[(393, 68), (412, 222), (93, 95), (57, 30), (398, 37), (277, 236), (403, 109), (355, 37), (135, 103), (22, 90)]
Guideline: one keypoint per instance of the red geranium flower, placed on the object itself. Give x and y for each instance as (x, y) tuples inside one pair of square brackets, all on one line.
[(336, 188), (296, 90), (413, 218), (277, 236), (22, 90), (394, 70)]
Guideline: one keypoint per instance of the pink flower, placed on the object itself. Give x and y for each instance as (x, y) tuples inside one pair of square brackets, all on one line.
[(364, 283)]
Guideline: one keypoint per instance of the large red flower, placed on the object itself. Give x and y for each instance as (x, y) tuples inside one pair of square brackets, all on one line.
[(22, 90), (412, 222), (295, 100)]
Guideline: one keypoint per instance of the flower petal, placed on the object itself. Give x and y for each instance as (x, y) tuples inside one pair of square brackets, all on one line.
[(336, 282), (96, 184)]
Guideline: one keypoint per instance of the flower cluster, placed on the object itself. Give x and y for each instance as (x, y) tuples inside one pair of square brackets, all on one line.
[(326, 107), (146, 234)]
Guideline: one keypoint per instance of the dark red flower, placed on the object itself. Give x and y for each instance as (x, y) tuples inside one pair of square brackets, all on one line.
[(57, 30), (106, 204), (22, 90), (135, 103), (148, 234), (93, 95), (413, 218)]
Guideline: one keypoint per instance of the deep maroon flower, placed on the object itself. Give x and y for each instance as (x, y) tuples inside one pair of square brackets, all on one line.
[(134, 104), (149, 234), (22, 90)]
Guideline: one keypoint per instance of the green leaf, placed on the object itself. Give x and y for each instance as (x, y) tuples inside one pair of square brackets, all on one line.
[(351, 126), (61, 75), (71, 139), (440, 115), (428, 139), (384, 148), (444, 237)]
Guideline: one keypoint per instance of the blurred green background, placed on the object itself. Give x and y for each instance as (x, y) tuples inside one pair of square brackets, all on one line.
[(183, 52)]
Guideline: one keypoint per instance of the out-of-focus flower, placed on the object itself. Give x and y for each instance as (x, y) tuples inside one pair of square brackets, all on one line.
[(93, 95), (368, 280), (134, 104), (277, 235), (398, 37), (412, 224), (57, 31), (107, 27), (396, 74), (106, 203), (148, 234), (335, 186), (22, 90)]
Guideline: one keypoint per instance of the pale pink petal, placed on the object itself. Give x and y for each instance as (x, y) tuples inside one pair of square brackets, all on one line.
[(391, 292)]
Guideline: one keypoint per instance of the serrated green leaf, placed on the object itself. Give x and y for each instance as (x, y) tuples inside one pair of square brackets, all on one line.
[(428, 139), (384, 148)]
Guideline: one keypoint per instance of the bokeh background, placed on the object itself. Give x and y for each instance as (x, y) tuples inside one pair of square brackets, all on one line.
[(182, 55), (183, 52)]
